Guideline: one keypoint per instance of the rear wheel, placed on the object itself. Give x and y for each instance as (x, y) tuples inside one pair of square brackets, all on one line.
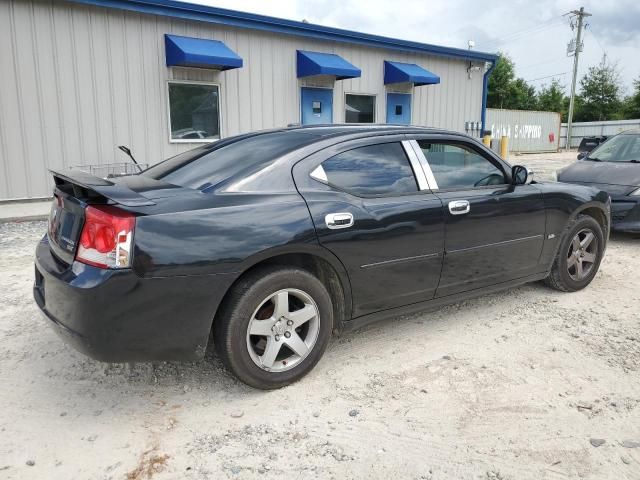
[(274, 326), (579, 256)]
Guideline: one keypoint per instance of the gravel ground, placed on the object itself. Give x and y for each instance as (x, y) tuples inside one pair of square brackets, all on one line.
[(544, 165), (526, 384)]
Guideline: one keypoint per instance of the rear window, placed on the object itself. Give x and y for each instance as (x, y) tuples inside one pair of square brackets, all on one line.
[(205, 167)]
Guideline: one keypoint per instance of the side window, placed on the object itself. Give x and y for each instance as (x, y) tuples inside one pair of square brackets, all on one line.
[(381, 169), (458, 166)]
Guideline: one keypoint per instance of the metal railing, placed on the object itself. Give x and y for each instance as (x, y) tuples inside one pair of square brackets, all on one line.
[(112, 170)]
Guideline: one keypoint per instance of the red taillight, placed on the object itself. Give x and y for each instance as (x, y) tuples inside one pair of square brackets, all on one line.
[(106, 237)]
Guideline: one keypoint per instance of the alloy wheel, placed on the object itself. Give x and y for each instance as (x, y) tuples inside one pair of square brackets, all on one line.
[(283, 330), (582, 254)]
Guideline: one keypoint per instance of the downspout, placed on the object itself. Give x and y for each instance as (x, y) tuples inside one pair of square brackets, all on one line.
[(485, 88)]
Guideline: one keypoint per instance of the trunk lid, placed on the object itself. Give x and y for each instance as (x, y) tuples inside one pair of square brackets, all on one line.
[(74, 190), (65, 224)]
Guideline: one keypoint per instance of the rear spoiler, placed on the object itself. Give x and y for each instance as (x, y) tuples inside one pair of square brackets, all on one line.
[(85, 185)]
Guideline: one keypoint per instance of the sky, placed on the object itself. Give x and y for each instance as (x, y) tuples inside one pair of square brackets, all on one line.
[(533, 33)]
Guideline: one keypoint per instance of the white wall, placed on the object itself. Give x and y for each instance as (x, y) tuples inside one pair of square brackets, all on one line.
[(579, 130), (76, 81)]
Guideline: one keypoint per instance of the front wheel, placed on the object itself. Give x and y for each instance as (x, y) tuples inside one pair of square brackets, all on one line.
[(579, 256), (274, 326)]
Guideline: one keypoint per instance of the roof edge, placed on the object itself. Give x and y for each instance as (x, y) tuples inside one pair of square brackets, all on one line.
[(205, 13)]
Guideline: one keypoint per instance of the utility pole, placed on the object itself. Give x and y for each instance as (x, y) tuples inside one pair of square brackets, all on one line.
[(577, 48)]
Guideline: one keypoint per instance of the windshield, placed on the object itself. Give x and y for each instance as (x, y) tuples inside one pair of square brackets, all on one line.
[(621, 148), (205, 167)]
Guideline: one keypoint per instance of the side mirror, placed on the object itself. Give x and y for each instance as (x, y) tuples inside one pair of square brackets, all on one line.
[(521, 175), (581, 155)]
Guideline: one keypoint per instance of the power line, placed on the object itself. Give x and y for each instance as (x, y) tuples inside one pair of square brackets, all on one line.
[(549, 23), (546, 62), (595, 37), (521, 36), (520, 33), (548, 76)]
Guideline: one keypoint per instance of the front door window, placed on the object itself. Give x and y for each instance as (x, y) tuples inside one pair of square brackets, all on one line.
[(459, 166)]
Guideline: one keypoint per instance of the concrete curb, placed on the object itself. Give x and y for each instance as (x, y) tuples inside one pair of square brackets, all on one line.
[(24, 211), (28, 218)]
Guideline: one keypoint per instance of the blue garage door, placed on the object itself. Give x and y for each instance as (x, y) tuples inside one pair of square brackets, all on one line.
[(316, 105), (399, 108)]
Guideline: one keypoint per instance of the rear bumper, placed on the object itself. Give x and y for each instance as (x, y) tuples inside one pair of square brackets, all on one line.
[(117, 316), (625, 214)]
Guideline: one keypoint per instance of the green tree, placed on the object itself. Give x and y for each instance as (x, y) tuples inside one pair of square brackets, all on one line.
[(577, 106), (632, 102), (600, 93), (506, 91), (500, 80), (552, 98), (522, 96)]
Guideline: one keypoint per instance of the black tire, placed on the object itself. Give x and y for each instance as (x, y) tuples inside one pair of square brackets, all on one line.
[(232, 321), (560, 277)]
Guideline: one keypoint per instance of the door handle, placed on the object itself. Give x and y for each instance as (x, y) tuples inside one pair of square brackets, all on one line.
[(459, 207), (338, 220)]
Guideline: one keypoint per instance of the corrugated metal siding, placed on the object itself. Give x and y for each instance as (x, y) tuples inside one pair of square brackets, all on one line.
[(579, 130), (528, 131), (77, 81)]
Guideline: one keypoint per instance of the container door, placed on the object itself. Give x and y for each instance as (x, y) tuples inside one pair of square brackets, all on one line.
[(399, 108), (316, 105)]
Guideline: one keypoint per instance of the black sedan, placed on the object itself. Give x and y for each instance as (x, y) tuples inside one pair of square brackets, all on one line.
[(614, 167), (270, 242)]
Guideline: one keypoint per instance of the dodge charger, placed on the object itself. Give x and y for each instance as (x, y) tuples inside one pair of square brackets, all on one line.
[(266, 244)]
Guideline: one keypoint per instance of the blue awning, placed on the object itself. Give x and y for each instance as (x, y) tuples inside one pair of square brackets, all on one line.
[(316, 63), (396, 72), (199, 53)]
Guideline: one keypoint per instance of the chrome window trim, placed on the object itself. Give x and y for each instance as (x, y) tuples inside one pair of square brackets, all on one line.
[(319, 174), (418, 171), (431, 180)]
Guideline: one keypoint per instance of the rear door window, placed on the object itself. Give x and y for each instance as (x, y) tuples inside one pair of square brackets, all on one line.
[(373, 170)]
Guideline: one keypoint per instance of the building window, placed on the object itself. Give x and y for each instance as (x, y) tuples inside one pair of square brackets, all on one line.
[(360, 108), (194, 112)]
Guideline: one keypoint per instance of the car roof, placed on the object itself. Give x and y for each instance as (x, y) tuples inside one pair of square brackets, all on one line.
[(334, 129), (272, 153), (333, 133)]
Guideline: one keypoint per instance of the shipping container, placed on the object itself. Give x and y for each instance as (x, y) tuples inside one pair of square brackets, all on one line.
[(527, 131)]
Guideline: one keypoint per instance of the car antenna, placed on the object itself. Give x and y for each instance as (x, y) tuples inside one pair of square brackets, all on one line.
[(127, 150)]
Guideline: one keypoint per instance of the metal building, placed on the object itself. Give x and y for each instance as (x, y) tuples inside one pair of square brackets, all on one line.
[(80, 77)]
